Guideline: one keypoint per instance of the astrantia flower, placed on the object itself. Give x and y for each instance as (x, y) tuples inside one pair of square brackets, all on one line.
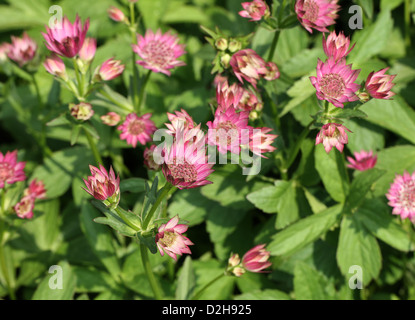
[(228, 130), (335, 82), (103, 185), (363, 160), (35, 190), (256, 259), (254, 10), (66, 39), (401, 196), (159, 52), (82, 111), (248, 65), (87, 52), (109, 70), (336, 46), (11, 171), (272, 71), (378, 84), (55, 66), (333, 135), (22, 50), (116, 14), (149, 159), (170, 239), (137, 129), (111, 119), (229, 95), (317, 14), (179, 118), (24, 208), (260, 141)]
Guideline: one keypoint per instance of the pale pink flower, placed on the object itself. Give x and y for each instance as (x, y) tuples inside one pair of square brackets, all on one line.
[(22, 50), (256, 259), (137, 129), (24, 208), (335, 82), (149, 159), (170, 239), (317, 14), (260, 141), (401, 196), (333, 135), (110, 69), (179, 119), (116, 14), (55, 66), (66, 39), (81, 111), (103, 185), (11, 171), (336, 46), (35, 190), (228, 130), (88, 50), (111, 119), (159, 52), (229, 95), (378, 84), (363, 160), (254, 10)]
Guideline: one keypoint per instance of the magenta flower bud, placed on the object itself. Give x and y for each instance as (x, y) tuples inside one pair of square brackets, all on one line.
[(103, 186), (317, 14), (116, 14), (87, 52), (378, 85), (401, 196), (336, 46), (111, 119), (137, 129), (82, 111), (11, 171), (170, 239), (363, 160), (333, 135), (256, 259), (22, 50), (66, 39), (55, 66), (255, 10), (109, 70)]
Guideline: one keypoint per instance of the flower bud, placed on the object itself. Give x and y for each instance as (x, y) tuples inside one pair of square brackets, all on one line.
[(221, 44), (82, 111), (111, 119)]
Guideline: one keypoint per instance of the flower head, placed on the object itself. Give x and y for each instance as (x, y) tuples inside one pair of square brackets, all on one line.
[(179, 119), (103, 185), (336, 46), (109, 70), (116, 14), (66, 39), (170, 239), (24, 208), (81, 111), (159, 52), (55, 66), (111, 119), (254, 10), (137, 129), (256, 259), (22, 50), (335, 82), (229, 95), (260, 141), (401, 196), (363, 160), (317, 14), (11, 171), (379, 84), (35, 190), (333, 135)]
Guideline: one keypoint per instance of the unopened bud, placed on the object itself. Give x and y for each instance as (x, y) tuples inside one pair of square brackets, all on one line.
[(221, 44), (224, 60), (234, 45), (82, 111)]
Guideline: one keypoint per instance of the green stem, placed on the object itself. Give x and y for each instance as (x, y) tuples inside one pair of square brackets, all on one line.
[(274, 44), (93, 147), (408, 23), (166, 189), (149, 272), (39, 97), (340, 161), (142, 90), (78, 81), (3, 263), (199, 293)]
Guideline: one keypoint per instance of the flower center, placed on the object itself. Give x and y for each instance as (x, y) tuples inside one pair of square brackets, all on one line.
[(159, 53), (311, 11), (168, 239), (332, 85), (136, 127), (407, 196), (184, 171), (5, 171)]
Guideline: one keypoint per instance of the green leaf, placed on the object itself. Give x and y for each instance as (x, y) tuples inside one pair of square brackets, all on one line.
[(358, 247), (134, 185), (185, 14), (75, 133), (90, 279), (304, 232), (186, 282), (390, 4), (267, 294)]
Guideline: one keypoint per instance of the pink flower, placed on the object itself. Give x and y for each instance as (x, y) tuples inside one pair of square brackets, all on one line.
[(149, 159), (111, 119), (255, 10), (110, 69), (378, 84), (66, 39), (35, 190), (260, 141), (317, 14), (55, 66), (24, 208), (137, 129), (81, 111), (179, 119), (11, 171), (22, 50), (103, 185), (229, 95), (401, 196), (116, 14), (364, 160), (229, 130), (335, 82), (170, 239), (332, 135), (88, 50), (159, 52), (336, 46), (272, 71), (256, 259)]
